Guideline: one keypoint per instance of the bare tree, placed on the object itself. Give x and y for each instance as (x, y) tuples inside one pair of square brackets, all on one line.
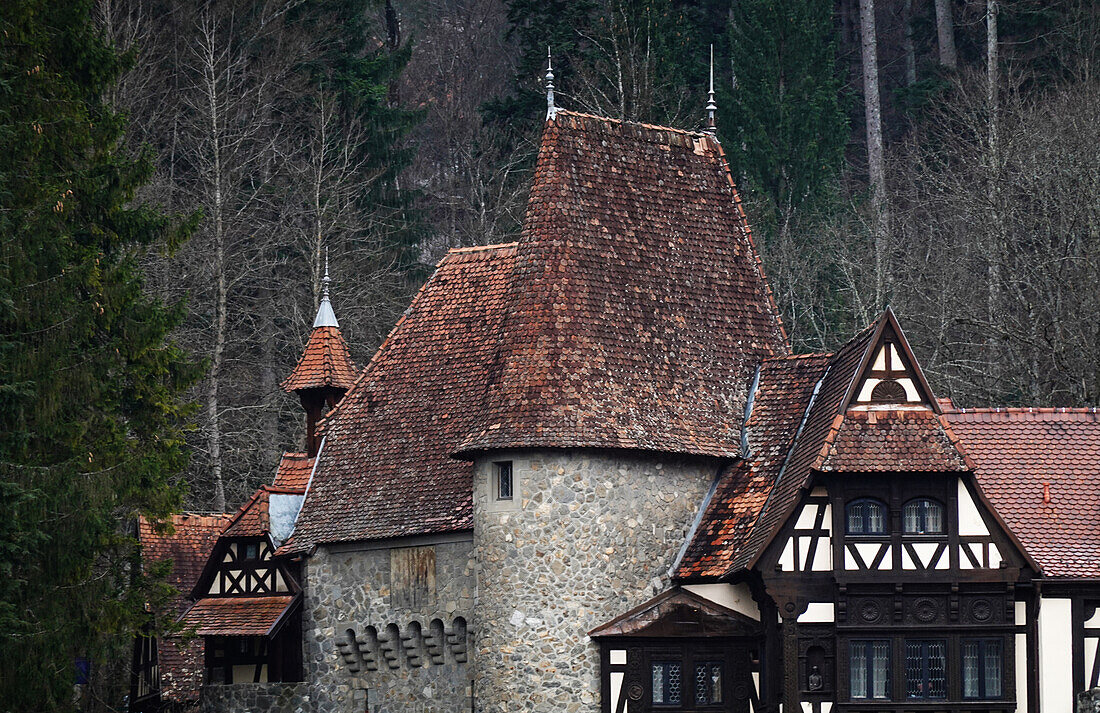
[(876, 165), (945, 34)]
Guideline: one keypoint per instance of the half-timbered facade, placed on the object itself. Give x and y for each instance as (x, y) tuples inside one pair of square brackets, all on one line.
[(585, 473)]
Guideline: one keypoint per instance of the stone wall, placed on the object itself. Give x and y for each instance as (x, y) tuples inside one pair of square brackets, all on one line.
[(406, 606), (588, 536), (256, 698)]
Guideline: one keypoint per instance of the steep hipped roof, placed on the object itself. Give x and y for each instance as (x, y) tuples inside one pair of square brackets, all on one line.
[(385, 468), (325, 361), (639, 306), (188, 546), (817, 427), (1024, 455)]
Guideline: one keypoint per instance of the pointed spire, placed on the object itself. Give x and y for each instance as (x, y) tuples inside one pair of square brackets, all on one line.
[(712, 107), (551, 110), (326, 317)]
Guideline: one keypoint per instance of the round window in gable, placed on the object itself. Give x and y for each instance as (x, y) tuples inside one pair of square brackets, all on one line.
[(888, 391)]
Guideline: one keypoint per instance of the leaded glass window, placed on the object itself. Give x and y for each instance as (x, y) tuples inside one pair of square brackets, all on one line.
[(504, 480), (923, 517), (870, 669), (866, 517), (982, 668), (926, 669), (708, 682), (667, 683)]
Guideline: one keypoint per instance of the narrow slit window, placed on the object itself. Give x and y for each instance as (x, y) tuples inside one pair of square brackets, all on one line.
[(503, 479)]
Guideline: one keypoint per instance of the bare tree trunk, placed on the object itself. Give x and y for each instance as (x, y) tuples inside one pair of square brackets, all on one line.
[(393, 43), (876, 165), (945, 34), (221, 287), (907, 45), (997, 249)]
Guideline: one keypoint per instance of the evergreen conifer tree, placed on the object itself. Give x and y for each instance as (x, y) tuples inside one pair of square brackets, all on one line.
[(785, 126), (90, 406)]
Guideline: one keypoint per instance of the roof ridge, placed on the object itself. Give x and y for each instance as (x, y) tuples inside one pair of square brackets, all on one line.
[(1027, 409), (480, 248), (698, 133), (807, 355)]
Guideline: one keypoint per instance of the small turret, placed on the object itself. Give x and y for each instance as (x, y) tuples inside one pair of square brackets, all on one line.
[(325, 370)]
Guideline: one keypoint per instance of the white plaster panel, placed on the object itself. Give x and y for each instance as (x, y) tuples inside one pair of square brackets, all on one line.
[(907, 561), (732, 596), (925, 551), (1055, 657), (827, 523), (1095, 620), (823, 557), (786, 560), (865, 392), (868, 551), (818, 613), (1020, 609), (880, 359), (994, 556), (911, 394), (970, 520), (1021, 670), (849, 560), (807, 706), (618, 657), (826, 706), (806, 517), (616, 688)]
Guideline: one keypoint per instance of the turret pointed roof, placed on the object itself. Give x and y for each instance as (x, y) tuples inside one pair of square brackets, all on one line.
[(326, 361)]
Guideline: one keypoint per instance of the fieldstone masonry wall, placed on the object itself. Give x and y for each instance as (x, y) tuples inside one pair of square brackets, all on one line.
[(256, 698), (410, 633), (590, 535)]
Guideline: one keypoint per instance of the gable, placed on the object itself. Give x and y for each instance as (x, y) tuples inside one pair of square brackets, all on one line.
[(242, 566), (892, 375)]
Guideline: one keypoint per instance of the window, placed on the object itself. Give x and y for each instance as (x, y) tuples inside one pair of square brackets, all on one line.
[(981, 668), (923, 517), (252, 551), (926, 669), (503, 479), (870, 669), (866, 517), (708, 683), (668, 683)]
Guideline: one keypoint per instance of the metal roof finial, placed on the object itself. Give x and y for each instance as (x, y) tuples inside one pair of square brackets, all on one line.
[(712, 107), (551, 110), (325, 316), (325, 280)]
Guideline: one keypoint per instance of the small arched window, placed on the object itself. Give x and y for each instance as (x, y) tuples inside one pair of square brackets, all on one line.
[(923, 516), (866, 517)]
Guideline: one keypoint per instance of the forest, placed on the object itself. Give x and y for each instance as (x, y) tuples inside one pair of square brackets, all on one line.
[(937, 156)]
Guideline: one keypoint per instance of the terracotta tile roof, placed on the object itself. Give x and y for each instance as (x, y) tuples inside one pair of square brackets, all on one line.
[(293, 471), (1020, 454), (385, 468), (784, 389), (253, 519), (189, 546), (639, 308), (879, 440), (238, 616), (325, 361)]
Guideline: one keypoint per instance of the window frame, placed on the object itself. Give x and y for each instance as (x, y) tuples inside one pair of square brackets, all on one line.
[(865, 648), (499, 468), (923, 513), (983, 653), (925, 644), (688, 657), (884, 532)]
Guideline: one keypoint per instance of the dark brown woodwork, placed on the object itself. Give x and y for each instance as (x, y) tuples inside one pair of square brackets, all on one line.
[(317, 403)]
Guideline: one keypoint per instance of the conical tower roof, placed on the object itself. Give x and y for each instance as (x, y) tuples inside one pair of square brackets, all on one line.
[(326, 361)]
